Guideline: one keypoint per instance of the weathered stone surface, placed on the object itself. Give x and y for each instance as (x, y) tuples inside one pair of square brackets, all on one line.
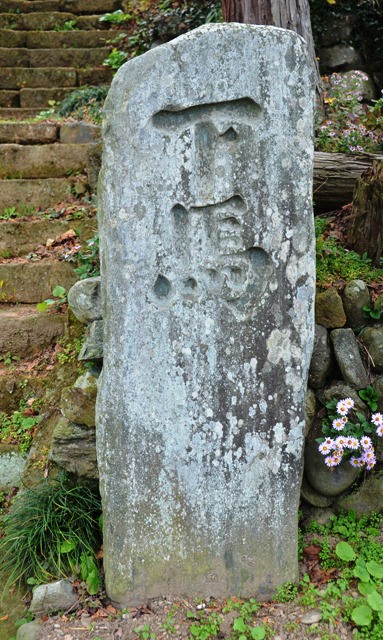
[(208, 283), (355, 296), (20, 238), (67, 57), (78, 403), (89, 6), (321, 359), (313, 497), (24, 331), (12, 465), (74, 449), (9, 98), (84, 299), (79, 133), (55, 596), (33, 282), (41, 161), (10, 38), (14, 57), (338, 391), (29, 631), (336, 30), (37, 21), (39, 98), (11, 78), (92, 349), (102, 75), (321, 516), (372, 338), (310, 409), (342, 57), (37, 192), (59, 39), (348, 357), (367, 499), (37, 133), (327, 482), (329, 310)]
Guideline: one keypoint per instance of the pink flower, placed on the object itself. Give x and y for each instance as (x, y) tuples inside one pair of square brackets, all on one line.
[(366, 443), (338, 424), (342, 408), (377, 419)]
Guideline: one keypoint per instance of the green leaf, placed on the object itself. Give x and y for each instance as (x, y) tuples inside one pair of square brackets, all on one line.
[(375, 601), (258, 633), (365, 588), (345, 552), (42, 306), (362, 573), (239, 625), (362, 615), (59, 292), (375, 569), (67, 546), (93, 582)]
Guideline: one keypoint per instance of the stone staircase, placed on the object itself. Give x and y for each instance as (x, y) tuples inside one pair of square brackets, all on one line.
[(48, 48)]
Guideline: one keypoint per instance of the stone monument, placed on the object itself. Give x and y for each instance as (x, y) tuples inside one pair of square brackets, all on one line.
[(207, 248)]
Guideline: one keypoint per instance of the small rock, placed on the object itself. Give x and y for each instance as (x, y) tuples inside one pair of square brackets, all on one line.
[(321, 516), (329, 310), (367, 499), (321, 360), (84, 299), (348, 357), (312, 617), (314, 497), (74, 449), (55, 596), (92, 349), (79, 133), (355, 296), (341, 57), (372, 338), (29, 631)]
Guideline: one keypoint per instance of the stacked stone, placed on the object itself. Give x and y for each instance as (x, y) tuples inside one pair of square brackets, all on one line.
[(347, 357), (74, 437)]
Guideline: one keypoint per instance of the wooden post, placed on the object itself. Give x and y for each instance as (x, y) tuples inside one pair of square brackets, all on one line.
[(366, 221)]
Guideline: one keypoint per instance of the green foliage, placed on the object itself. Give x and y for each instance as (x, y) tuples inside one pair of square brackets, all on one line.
[(19, 427), (370, 397), (89, 573), (69, 25), (286, 592), (8, 359), (69, 351), (84, 104), (159, 22), (204, 626), (372, 313), (48, 531), (347, 126), (334, 262), (89, 260), (60, 297), (144, 632)]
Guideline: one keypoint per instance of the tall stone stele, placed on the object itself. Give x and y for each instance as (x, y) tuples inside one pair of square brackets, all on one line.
[(208, 285)]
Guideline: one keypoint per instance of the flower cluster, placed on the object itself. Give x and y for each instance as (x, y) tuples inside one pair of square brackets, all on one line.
[(351, 442), (349, 126), (70, 254)]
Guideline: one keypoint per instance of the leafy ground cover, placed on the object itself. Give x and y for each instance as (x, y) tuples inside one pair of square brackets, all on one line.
[(338, 597)]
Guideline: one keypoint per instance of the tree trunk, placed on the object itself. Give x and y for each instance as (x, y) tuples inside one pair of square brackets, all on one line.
[(335, 177), (287, 14), (366, 221)]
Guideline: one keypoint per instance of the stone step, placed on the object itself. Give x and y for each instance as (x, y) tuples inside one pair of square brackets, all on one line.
[(37, 133), (56, 160), (11, 78), (42, 193), (24, 331), (55, 39), (33, 282), (72, 6), (19, 238), (17, 113), (49, 21), (48, 58), (46, 78), (38, 99), (9, 98)]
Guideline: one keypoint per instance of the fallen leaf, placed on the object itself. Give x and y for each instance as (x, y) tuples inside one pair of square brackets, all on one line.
[(4, 618)]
